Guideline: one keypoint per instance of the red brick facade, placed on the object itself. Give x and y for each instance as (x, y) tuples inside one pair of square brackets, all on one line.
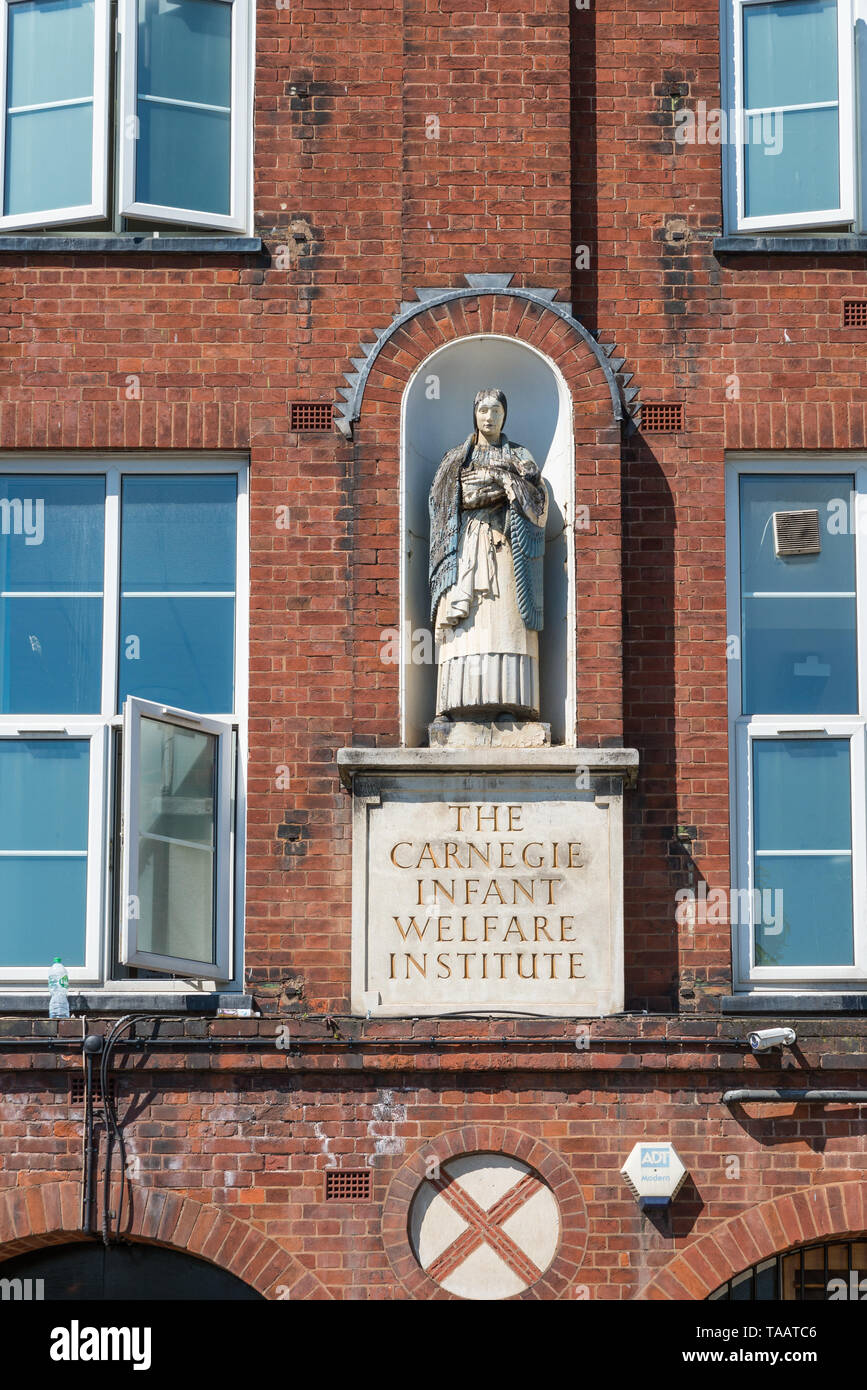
[(399, 147)]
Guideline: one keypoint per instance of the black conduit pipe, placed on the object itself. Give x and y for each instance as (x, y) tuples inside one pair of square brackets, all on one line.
[(91, 1049), (820, 1097)]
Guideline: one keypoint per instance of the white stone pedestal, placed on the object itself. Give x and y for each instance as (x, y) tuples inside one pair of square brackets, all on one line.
[(505, 732), (487, 880)]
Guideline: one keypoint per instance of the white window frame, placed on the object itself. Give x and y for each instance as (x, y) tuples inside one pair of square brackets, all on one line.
[(134, 711), (241, 120), (99, 970), (744, 729), (97, 208), (732, 85)]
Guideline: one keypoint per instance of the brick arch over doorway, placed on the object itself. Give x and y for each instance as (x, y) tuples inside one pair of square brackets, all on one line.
[(813, 1213), (49, 1214)]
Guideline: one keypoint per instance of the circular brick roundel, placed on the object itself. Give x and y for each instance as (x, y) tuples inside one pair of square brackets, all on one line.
[(485, 1213), (484, 1226)]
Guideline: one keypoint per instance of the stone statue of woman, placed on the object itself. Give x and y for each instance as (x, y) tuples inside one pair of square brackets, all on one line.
[(488, 508)]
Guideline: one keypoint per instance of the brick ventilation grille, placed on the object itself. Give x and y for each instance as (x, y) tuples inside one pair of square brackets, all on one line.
[(76, 1090), (855, 313), (657, 418), (310, 416), (347, 1185)]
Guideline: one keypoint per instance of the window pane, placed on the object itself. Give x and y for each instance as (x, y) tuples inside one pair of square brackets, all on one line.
[(182, 158), (183, 154), (801, 794), (832, 496), (802, 801), (179, 652), (178, 547), (176, 789), (49, 159), (51, 533), (44, 902), (814, 926), (766, 1281), (49, 151), (176, 871), (799, 656), (790, 53), (50, 51), (50, 657), (44, 794), (43, 850), (51, 578), (799, 652), (179, 534), (792, 163), (184, 50), (176, 896)]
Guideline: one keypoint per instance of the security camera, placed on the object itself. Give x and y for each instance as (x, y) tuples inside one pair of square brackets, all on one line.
[(766, 1038)]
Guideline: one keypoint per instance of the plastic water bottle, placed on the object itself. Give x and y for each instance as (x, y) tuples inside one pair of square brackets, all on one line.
[(58, 984)]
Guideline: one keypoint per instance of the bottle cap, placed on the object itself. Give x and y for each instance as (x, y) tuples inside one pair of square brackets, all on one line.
[(57, 961)]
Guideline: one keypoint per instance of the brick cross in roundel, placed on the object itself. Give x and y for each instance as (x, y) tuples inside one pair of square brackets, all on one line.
[(484, 1227)]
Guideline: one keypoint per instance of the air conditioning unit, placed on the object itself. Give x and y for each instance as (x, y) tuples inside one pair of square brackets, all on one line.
[(796, 533)]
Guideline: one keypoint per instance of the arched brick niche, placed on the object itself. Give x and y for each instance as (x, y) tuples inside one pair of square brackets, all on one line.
[(49, 1214), (772, 1227), (378, 542), (558, 1278)]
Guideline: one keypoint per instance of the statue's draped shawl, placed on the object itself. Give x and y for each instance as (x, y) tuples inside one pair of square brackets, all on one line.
[(526, 535)]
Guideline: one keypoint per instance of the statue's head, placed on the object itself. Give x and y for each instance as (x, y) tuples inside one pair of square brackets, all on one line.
[(489, 411)]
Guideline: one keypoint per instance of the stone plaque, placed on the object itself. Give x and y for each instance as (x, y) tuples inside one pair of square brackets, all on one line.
[(487, 893)]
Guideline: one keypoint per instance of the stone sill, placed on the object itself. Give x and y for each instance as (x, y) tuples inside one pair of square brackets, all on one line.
[(124, 1002), (780, 244), (395, 761), (819, 1002), (139, 242)]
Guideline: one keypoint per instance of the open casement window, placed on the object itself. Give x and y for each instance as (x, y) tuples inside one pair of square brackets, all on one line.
[(176, 841), (184, 111), (54, 59), (797, 728), (791, 84)]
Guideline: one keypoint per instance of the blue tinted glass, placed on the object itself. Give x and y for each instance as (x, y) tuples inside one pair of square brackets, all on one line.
[(801, 794), (182, 158), (178, 652), (807, 910), (44, 910), (799, 656), (44, 794), (179, 533), (792, 162), (51, 533), (51, 655), (184, 50), (50, 51), (833, 570), (790, 53), (183, 153), (49, 159)]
